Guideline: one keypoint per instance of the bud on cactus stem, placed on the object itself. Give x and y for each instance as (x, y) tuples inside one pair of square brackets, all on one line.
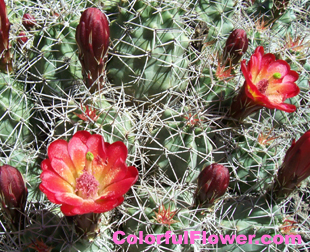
[(92, 36), (5, 57), (236, 46), (13, 194), (295, 167), (213, 181)]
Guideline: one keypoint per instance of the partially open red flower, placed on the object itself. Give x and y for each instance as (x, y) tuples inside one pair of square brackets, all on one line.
[(268, 83), (86, 174)]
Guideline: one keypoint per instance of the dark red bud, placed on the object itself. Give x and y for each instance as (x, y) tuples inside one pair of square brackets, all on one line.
[(295, 167), (22, 38), (236, 46), (12, 187), (213, 181), (13, 193), (92, 36), (28, 21), (5, 57)]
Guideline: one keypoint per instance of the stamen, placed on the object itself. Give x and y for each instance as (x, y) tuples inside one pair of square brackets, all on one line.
[(262, 86), (87, 186)]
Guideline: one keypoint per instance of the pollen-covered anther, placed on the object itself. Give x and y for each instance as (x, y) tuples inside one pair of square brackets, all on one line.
[(262, 86), (87, 186)]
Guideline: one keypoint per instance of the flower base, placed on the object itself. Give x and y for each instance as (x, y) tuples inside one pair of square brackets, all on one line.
[(242, 106), (87, 225)]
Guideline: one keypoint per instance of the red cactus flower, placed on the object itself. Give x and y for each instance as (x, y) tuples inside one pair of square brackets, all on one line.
[(28, 21), (86, 174), (13, 191), (268, 83), (236, 46), (92, 36), (295, 167), (5, 57), (213, 181)]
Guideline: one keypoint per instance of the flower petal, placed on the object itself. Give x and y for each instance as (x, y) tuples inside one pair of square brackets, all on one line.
[(292, 76), (285, 90), (94, 145), (46, 165), (83, 135), (54, 183), (115, 151), (69, 199), (77, 150), (49, 195), (267, 59), (119, 188), (90, 206), (59, 149), (112, 173), (279, 66), (254, 65), (61, 168), (285, 107)]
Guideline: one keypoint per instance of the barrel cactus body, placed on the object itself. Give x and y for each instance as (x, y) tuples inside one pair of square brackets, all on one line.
[(149, 44)]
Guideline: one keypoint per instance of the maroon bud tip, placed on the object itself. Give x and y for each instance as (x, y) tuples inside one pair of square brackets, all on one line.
[(28, 21), (5, 57), (213, 181), (12, 187), (295, 167), (236, 46), (22, 38), (92, 36)]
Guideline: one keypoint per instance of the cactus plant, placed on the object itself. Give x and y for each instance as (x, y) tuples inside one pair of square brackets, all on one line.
[(149, 44)]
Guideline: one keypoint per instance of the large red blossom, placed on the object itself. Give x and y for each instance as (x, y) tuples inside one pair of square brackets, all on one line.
[(86, 174), (268, 83)]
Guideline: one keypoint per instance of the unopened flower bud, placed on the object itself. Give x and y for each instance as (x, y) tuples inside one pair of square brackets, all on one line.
[(213, 181), (28, 21), (5, 57), (22, 38), (92, 36), (236, 46), (295, 167), (13, 192)]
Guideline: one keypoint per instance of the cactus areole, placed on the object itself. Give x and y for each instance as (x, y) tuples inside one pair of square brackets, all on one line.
[(268, 83), (92, 37), (86, 174)]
